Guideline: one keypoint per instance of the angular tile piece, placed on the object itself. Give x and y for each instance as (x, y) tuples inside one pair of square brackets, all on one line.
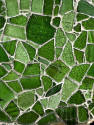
[(15, 31), (18, 66), (85, 7), (77, 28), (48, 47), (57, 70), (71, 36), (56, 21), (89, 53), (3, 56), (77, 98), (79, 55), (56, 10), (37, 6), (82, 114), (28, 118), (12, 7), (31, 82), (5, 94), (68, 21), (81, 17), (4, 117), (58, 52), (2, 71), (39, 29), (78, 72), (48, 7), (67, 5), (11, 76), (47, 83), (15, 85), (21, 54), (38, 108), (67, 89), (88, 24), (26, 99), (19, 20), (60, 38), (91, 71), (80, 42), (10, 46), (87, 83), (91, 36), (25, 4), (12, 110), (67, 55), (2, 22), (32, 69)]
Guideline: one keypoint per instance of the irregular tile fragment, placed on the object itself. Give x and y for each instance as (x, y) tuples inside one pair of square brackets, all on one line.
[(91, 36), (2, 71), (81, 17), (18, 66), (2, 21), (25, 4), (79, 55)]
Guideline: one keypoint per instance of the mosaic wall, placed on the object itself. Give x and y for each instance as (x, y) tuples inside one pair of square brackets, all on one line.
[(46, 62)]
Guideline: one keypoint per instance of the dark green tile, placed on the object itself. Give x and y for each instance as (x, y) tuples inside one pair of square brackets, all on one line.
[(36, 26), (91, 36), (4, 117), (2, 71), (91, 71), (56, 10), (2, 21), (57, 1), (31, 82), (77, 28), (79, 55), (18, 66), (81, 17), (56, 21)]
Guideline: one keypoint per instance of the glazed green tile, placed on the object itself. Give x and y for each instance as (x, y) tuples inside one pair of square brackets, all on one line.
[(26, 99), (2, 71), (88, 24), (36, 26), (5, 94), (27, 118), (67, 55), (48, 47), (43, 61), (53, 90), (18, 66), (81, 17), (12, 110), (58, 52), (77, 73), (25, 4), (80, 42), (68, 114), (79, 55), (91, 71), (91, 36), (44, 102), (71, 36), (48, 7), (82, 114), (77, 28), (40, 91), (54, 101), (77, 98), (85, 7), (87, 83), (60, 38), (11, 76), (57, 1), (57, 70), (10, 46), (4, 117), (19, 20), (47, 83), (15, 85), (32, 69), (67, 89), (56, 21), (38, 108), (37, 6), (56, 10), (31, 82), (7, 66), (89, 53), (21, 54), (12, 7), (30, 50), (68, 21), (48, 119), (67, 5), (3, 56), (15, 31), (2, 21)]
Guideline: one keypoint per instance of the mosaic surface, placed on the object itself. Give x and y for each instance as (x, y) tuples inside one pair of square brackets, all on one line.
[(46, 62)]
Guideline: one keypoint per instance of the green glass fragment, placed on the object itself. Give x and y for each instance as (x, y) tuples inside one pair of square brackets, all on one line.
[(2, 71), (2, 21), (79, 55), (4, 117), (77, 28), (56, 10), (91, 71), (91, 36), (18, 66), (56, 21), (81, 17)]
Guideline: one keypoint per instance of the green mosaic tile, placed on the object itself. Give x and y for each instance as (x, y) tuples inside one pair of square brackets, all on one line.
[(46, 62)]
